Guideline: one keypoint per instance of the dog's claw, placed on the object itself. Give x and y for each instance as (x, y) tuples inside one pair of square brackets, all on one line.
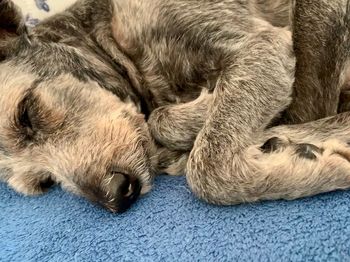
[(308, 151)]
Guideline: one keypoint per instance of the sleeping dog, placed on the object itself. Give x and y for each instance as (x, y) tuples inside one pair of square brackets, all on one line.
[(248, 98)]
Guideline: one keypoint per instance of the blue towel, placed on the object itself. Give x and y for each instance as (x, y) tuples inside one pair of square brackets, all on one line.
[(170, 224)]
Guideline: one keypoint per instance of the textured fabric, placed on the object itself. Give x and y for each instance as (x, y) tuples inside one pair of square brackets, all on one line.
[(170, 224), (36, 10)]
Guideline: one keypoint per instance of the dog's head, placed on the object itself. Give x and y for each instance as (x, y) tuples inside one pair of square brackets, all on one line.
[(65, 110)]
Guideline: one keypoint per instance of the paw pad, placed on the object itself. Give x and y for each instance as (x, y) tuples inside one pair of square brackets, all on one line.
[(272, 145), (308, 151)]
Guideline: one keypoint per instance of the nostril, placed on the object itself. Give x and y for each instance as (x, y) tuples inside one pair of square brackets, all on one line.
[(134, 189), (127, 188), (119, 182)]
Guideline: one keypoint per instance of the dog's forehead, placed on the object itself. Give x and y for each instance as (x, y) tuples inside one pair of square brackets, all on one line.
[(61, 89), (48, 59), (16, 80)]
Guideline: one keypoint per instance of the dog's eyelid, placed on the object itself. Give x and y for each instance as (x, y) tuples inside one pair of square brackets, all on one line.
[(26, 101), (27, 96), (23, 119)]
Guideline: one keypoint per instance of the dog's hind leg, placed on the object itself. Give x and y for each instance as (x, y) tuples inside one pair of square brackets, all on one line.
[(322, 48)]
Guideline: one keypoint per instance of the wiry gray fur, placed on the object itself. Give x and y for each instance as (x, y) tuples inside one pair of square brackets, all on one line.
[(217, 79)]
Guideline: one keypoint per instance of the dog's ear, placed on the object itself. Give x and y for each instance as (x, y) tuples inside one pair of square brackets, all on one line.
[(11, 25), (11, 20)]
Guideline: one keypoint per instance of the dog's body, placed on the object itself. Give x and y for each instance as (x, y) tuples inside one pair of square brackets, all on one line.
[(213, 77)]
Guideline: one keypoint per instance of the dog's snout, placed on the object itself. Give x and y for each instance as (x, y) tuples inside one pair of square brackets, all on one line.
[(127, 188)]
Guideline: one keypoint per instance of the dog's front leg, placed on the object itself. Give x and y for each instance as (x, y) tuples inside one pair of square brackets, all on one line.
[(222, 166), (322, 47), (31, 183), (177, 126)]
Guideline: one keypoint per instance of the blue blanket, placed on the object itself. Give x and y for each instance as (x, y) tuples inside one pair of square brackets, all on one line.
[(170, 224)]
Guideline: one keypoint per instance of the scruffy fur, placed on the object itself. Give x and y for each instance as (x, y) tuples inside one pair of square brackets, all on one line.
[(248, 98)]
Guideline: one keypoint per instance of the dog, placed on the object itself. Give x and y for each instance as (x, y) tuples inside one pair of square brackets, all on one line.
[(248, 98)]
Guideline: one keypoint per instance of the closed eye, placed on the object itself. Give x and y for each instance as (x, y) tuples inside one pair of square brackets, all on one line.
[(23, 119), (35, 119)]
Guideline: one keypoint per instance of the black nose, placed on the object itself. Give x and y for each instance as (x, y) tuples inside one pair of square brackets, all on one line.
[(127, 189)]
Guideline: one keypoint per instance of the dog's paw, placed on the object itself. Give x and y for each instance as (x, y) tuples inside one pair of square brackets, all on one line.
[(291, 170), (30, 186), (310, 151), (284, 154), (170, 162)]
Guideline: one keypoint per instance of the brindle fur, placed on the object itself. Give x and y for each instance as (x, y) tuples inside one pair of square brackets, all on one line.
[(215, 79)]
